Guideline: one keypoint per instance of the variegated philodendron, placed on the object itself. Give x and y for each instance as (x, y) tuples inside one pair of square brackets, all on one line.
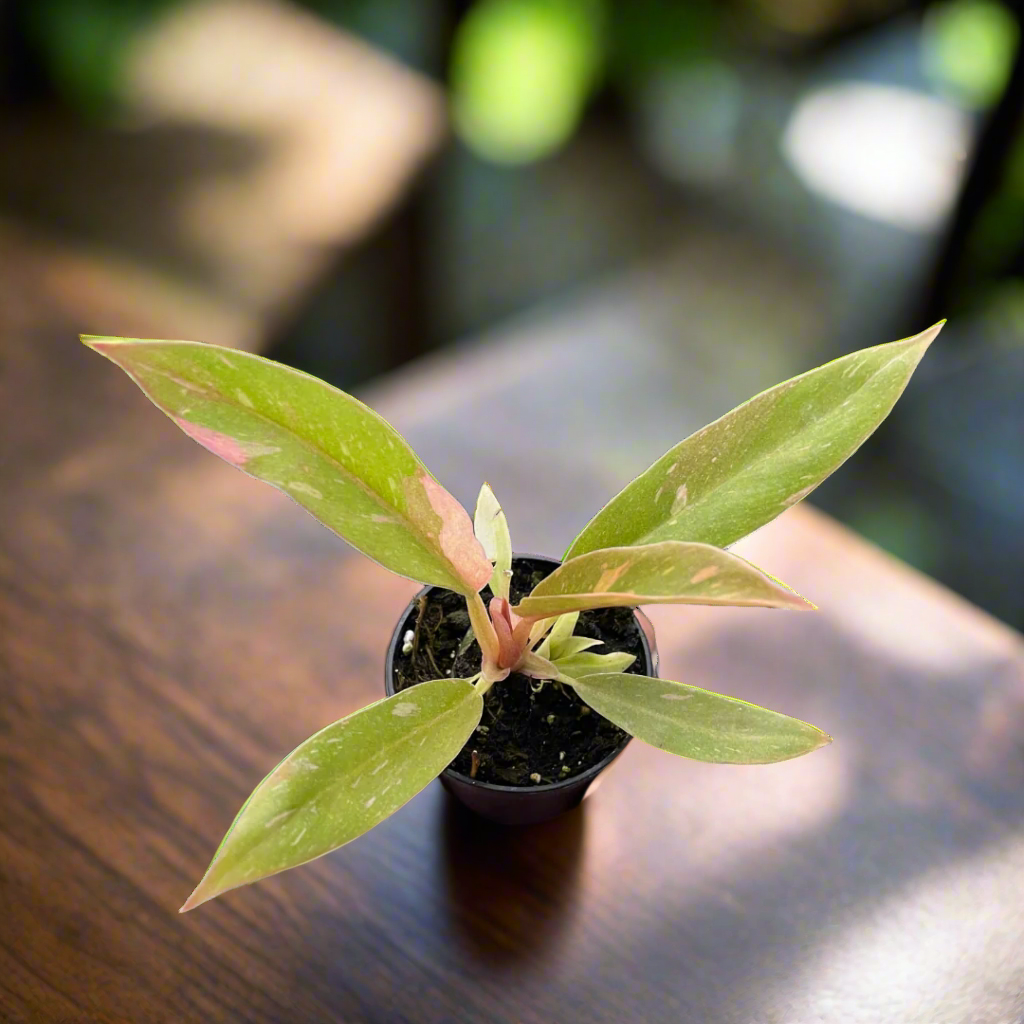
[(661, 539)]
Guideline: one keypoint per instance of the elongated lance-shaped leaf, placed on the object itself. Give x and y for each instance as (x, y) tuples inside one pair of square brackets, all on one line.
[(566, 668), (330, 453), (561, 629), (537, 667), (670, 572), (740, 472), (491, 528), (573, 645), (587, 663), (343, 781), (539, 632), (696, 723)]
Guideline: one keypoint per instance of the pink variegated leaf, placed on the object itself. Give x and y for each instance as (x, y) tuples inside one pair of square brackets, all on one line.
[(330, 453), (669, 572)]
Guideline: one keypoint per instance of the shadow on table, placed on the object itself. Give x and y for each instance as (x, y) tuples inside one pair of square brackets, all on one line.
[(511, 887), (938, 767), (864, 915)]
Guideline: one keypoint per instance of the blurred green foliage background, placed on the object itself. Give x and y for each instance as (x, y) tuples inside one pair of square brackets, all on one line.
[(875, 143)]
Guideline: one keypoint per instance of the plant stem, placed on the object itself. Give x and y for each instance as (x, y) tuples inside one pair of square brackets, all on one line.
[(421, 607), (483, 629)]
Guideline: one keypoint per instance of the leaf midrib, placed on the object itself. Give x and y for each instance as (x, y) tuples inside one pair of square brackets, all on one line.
[(704, 729), (756, 460), (379, 498), (625, 600), (363, 764)]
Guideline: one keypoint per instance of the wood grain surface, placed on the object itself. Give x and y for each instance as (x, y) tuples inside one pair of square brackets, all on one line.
[(169, 628)]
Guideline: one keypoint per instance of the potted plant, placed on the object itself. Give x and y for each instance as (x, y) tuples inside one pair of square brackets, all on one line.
[(524, 640), (537, 748)]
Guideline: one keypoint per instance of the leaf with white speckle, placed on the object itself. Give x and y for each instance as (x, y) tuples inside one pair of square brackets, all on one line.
[(671, 572), (343, 781), (330, 453), (740, 472), (587, 663), (696, 723)]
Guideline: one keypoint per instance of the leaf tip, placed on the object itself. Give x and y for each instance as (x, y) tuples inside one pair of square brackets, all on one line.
[(99, 340), (197, 899), (793, 601), (190, 904), (927, 336), (823, 739), (201, 894), (105, 346), (790, 599)]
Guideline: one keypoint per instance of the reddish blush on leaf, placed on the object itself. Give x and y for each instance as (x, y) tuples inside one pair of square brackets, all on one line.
[(230, 449), (455, 537)]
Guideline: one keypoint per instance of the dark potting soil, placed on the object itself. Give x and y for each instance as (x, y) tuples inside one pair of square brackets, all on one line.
[(527, 728)]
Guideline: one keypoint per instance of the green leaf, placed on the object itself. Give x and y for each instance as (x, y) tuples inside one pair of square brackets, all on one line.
[(343, 781), (491, 528), (560, 626), (573, 645), (696, 723), (587, 663), (330, 453), (538, 667), (741, 471), (672, 572)]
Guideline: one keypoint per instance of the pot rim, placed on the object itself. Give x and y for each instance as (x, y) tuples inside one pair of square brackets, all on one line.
[(544, 787)]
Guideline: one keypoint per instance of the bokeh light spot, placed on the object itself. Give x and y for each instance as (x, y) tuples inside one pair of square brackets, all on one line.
[(521, 74), (968, 47)]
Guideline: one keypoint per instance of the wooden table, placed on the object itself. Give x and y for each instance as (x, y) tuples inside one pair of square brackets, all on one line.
[(169, 628)]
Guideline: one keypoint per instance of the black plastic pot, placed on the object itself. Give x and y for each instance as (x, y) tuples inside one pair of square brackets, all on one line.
[(520, 805)]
